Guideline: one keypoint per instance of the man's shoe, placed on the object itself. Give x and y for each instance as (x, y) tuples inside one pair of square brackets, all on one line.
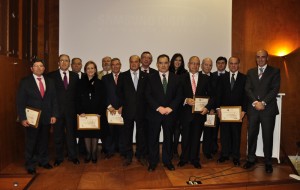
[(143, 161), (75, 161), (170, 166), (57, 162), (46, 166), (175, 155), (108, 156), (181, 163), (31, 171), (127, 162), (208, 156), (222, 159), (248, 165), (151, 168), (197, 165), (269, 168), (236, 162)]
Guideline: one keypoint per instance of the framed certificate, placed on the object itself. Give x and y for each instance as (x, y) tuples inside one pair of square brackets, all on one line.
[(230, 113), (200, 103), (88, 122), (115, 119), (33, 116), (210, 120)]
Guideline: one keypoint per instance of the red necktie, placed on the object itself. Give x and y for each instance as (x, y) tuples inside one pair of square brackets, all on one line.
[(65, 80), (41, 85), (193, 84), (116, 78)]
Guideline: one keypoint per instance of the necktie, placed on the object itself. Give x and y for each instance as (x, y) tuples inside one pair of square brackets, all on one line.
[(41, 86), (164, 83), (146, 71), (261, 71), (116, 78), (65, 80), (232, 81), (135, 80), (193, 84)]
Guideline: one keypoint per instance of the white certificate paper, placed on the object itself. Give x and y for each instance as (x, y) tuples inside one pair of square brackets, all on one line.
[(115, 119)]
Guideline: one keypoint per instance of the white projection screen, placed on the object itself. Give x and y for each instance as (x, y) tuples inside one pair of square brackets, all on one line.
[(92, 29)]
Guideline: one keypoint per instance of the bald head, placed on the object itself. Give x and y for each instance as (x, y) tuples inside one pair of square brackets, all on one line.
[(206, 65)]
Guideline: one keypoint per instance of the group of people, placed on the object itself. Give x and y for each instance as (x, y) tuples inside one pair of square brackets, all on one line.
[(150, 100)]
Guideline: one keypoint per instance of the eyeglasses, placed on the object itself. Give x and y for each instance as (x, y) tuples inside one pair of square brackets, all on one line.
[(64, 61)]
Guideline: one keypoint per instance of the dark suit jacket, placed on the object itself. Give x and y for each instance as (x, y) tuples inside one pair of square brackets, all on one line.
[(111, 88), (264, 89), (28, 95), (66, 98), (203, 89), (151, 71), (234, 97), (133, 102), (156, 97)]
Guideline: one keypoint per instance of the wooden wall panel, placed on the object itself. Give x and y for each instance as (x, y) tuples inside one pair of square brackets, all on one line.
[(272, 25)]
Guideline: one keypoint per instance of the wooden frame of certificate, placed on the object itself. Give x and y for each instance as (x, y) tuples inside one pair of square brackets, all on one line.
[(210, 120), (230, 113), (200, 103), (115, 119), (33, 116), (88, 122)]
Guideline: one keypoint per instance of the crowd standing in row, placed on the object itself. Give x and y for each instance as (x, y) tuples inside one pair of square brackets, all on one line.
[(151, 99)]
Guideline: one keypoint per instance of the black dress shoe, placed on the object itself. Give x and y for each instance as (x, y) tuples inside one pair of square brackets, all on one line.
[(75, 161), (87, 160), (208, 156), (143, 161), (236, 162), (175, 155), (248, 165), (222, 159), (109, 155), (46, 166), (151, 168), (170, 166), (197, 165), (269, 168), (57, 162), (31, 171), (181, 163), (127, 162)]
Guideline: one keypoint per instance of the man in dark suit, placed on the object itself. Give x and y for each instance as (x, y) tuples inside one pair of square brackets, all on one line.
[(146, 60), (262, 87), (163, 94), (38, 92), (231, 92), (221, 64), (76, 66), (131, 90), (65, 85), (193, 84), (111, 143)]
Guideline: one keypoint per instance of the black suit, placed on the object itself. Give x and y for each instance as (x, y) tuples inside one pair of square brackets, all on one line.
[(192, 123), (156, 97), (112, 143), (264, 89), (67, 114), (133, 104), (215, 80), (28, 95), (231, 132)]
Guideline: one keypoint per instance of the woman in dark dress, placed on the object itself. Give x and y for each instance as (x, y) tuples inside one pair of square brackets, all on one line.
[(91, 99), (177, 67)]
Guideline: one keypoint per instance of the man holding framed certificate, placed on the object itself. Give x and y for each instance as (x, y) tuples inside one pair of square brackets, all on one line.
[(195, 88), (37, 110), (231, 103)]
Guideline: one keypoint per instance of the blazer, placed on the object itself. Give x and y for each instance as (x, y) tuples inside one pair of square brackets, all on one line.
[(203, 89), (66, 97), (111, 88), (236, 96), (264, 89), (133, 101), (28, 95), (156, 97)]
